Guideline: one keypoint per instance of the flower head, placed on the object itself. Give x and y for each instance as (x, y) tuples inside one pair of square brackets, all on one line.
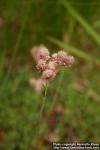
[(49, 66), (48, 74), (61, 58), (41, 66), (40, 53)]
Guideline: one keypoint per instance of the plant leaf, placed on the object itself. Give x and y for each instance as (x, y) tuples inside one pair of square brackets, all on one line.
[(75, 51), (82, 21)]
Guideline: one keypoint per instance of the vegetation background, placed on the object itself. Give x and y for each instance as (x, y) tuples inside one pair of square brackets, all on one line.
[(72, 108)]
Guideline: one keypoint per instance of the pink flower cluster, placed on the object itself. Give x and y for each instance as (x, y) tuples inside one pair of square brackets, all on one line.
[(48, 65)]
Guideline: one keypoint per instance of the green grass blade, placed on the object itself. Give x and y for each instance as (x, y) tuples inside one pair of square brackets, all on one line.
[(74, 51), (82, 21)]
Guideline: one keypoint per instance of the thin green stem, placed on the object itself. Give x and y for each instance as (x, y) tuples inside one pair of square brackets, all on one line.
[(70, 31), (43, 104), (57, 91), (38, 132)]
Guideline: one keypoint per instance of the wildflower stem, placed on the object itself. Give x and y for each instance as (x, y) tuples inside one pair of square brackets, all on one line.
[(40, 116), (43, 103), (70, 32), (58, 88)]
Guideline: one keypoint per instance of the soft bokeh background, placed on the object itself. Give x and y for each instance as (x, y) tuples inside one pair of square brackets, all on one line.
[(72, 109)]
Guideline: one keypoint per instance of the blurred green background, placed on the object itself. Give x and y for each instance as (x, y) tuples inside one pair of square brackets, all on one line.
[(72, 108)]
